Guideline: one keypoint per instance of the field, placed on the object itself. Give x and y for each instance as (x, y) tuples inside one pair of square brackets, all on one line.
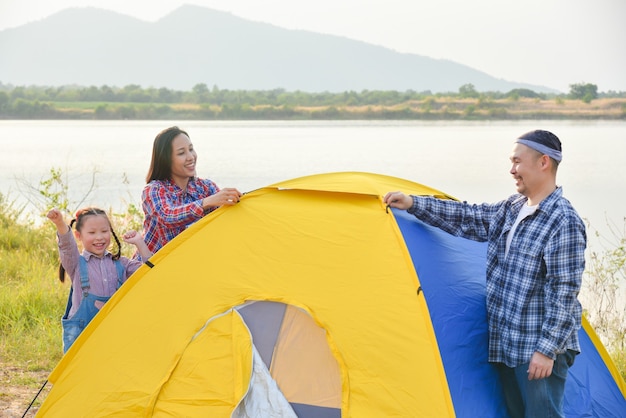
[(430, 108)]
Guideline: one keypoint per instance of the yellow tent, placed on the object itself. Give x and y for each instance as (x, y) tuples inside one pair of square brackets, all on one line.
[(305, 299)]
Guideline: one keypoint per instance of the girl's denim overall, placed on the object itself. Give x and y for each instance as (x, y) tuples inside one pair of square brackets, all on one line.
[(87, 309)]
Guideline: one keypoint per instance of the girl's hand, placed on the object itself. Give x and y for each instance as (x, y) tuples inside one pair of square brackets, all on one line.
[(57, 218), (135, 238), (132, 237), (54, 215)]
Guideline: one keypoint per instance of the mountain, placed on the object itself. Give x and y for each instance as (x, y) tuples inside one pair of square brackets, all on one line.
[(192, 45)]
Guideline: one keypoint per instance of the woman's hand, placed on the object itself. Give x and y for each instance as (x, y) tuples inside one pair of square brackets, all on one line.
[(227, 196)]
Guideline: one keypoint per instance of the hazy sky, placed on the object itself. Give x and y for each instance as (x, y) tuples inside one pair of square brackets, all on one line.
[(553, 43)]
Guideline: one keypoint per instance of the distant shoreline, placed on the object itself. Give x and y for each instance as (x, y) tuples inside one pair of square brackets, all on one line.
[(428, 108)]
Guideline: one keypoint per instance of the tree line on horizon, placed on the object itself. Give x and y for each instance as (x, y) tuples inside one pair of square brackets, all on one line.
[(135, 102)]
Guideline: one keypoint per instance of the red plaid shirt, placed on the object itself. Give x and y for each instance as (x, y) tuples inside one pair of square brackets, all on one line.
[(169, 210)]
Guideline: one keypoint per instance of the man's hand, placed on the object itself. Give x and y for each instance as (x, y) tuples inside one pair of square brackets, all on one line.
[(540, 366), (398, 200)]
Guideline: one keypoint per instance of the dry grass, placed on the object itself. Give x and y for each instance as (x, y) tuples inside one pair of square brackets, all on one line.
[(430, 107), (522, 108), (18, 388)]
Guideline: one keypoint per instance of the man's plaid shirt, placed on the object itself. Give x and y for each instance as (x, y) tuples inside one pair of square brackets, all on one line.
[(532, 293)]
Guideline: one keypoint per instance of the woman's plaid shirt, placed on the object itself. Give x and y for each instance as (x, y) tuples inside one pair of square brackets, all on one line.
[(169, 210)]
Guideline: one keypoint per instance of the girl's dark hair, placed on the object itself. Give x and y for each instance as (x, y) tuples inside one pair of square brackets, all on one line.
[(79, 220), (161, 164)]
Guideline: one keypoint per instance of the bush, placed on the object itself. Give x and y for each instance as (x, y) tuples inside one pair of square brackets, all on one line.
[(604, 295)]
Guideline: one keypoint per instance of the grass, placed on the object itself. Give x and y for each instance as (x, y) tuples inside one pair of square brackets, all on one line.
[(31, 302), (94, 105), (430, 107)]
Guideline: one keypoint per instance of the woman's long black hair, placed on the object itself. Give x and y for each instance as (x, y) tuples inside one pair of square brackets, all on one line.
[(161, 164)]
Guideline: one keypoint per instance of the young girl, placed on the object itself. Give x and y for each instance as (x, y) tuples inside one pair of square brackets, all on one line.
[(96, 274)]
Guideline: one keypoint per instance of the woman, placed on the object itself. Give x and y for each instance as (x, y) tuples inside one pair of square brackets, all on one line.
[(174, 197)]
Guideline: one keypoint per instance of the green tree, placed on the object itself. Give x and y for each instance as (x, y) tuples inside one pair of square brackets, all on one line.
[(517, 93), (468, 91), (101, 111), (107, 94), (90, 94), (166, 95), (201, 92), (131, 92), (4, 101), (583, 91)]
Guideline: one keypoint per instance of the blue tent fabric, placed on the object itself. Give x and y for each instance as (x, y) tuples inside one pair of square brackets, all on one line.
[(590, 390), (451, 271)]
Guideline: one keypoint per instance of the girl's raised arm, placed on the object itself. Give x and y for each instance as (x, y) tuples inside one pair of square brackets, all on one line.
[(135, 238), (57, 218)]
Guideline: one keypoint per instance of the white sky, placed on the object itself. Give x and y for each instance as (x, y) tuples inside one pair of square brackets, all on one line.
[(553, 43)]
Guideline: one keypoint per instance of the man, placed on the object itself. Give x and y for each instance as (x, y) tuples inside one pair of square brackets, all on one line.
[(535, 261)]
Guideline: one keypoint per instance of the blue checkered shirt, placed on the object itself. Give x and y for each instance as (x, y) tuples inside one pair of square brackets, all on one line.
[(532, 292)]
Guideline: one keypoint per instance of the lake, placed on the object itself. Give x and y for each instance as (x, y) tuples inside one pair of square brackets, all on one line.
[(468, 160)]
